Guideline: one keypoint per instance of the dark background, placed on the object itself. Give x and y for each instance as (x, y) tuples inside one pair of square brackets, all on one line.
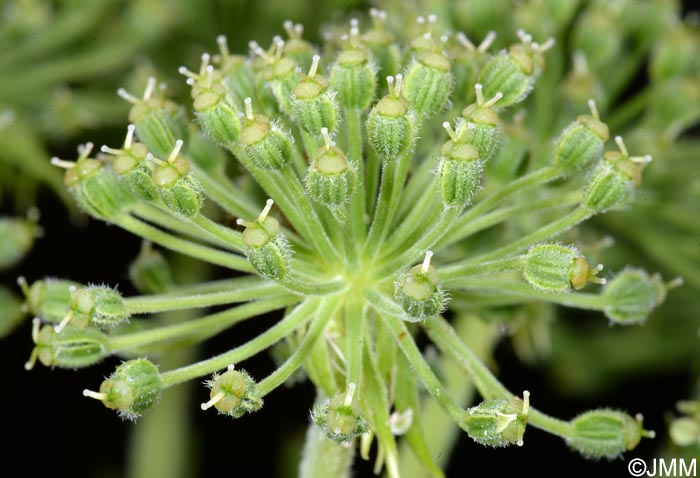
[(46, 416)]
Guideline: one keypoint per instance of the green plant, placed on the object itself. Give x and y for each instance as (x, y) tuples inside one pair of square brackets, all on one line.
[(367, 193)]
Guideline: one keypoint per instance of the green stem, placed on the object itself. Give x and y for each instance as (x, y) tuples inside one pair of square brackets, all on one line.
[(654, 241), (381, 211), (354, 335), (391, 314), (310, 221), (377, 402), (299, 286), (325, 312), (533, 179), (440, 432), (386, 349), (210, 287), (223, 233), (552, 229), (159, 442), (202, 327), (579, 300), (417, 186), (276, 189), (442, 334), (208, 254), (240, 290), (625, 69), (320, 369), (371, 180), (624, 113), (345, 223), (406, 398), (300, 315), (394, 173), (167, 220), (353, 129), (416, 221), (225, 193), (68, 26), (99, 60), (299, 162), (454, 275), (215, 233), (324, 458), (485, 221), (21, 147), (419, 247)]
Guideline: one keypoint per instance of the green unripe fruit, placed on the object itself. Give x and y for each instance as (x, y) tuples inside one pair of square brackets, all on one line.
[(280, 73), (184, 197), (632, 295), (391, 127), (459, 179), (581, 83), (459, 171), (48, 299), (266, 145), (671, 108), (513, 73), (132, 389), (313, 103), (340, 418), (676, 53), (16, 239), (598, 35), (97, 189), (498, 423), (354, 78), (99, 306), (271, 261), (689, 407), (221, 122), (685, 431), (546, 17), (606, 433), (502, 74), (233, 393), (607, 188), (581, 143), (419, 292), (159, 122), (236, 72), (267, 249), (467, 61), (130, 164), (150, 272), (480, 16), (178, 189), (382, 44), (70, 348), (483, 129), (558, 268), (11, 313), (613, 181), (215, 109), (428, 83), (330, 179), (296, 48)]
